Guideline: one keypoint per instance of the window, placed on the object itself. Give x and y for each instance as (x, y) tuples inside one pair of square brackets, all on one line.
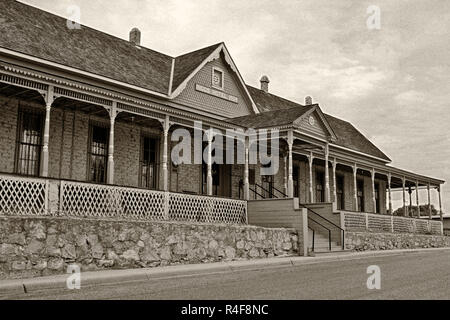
[(295, 177), (377, 197), (360, 195), (267, 183), (149, 162), (98, 154), (29, 142), (217, 78), (340, 192), (320, 192), (215, 178)]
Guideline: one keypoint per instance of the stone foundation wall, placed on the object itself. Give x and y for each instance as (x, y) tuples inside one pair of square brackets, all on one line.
[(38, 246), (362, 241)]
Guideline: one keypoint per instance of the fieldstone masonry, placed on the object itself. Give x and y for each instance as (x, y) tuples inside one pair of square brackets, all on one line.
[(38, 246), (362, 241)]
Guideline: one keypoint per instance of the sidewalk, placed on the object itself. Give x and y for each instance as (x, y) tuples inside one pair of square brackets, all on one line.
[(96, 278)]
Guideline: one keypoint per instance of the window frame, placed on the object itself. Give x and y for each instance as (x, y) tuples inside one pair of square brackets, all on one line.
[(104, 126), (34, 112), (157, 159), (221, 80)]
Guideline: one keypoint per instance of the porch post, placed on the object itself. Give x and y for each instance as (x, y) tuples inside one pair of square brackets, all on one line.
[(310, 162), (417, 199), (290, 179), (355, 190), (440, 202), (334, 164), (285, 186), (246, 182), (44, 153), (110, 169), (372, 174), (209, 164), (166, 127), (404, 196), (327, 175), (410, 213), (390, 195), (429, 201)]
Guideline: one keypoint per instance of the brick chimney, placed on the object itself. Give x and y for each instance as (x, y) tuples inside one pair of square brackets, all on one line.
[(135, 36), (264, 83), (308, 101)]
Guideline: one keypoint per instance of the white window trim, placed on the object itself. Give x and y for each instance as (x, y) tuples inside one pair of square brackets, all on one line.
[(212, 78)]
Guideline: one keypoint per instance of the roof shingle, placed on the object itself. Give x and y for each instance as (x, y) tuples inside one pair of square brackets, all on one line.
[(41, 34), (277, 111)]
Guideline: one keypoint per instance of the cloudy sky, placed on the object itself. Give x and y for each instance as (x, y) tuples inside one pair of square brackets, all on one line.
[(392, 83)]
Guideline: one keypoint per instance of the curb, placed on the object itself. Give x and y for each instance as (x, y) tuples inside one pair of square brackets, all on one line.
[(111, 277)]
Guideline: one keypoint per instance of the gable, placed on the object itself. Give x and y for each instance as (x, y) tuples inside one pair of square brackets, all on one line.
[(312, 124), (200, 94)]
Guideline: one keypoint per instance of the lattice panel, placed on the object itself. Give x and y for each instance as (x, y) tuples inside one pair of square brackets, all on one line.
[(82, 199), (379, 222), (22, 196), (354, 221), (142, 204), (184, 207)]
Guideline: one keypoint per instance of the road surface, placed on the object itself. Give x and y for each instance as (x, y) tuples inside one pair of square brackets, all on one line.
[(422, 275)]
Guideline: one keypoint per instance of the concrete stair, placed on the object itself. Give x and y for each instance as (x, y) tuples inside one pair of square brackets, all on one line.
[(321, 243)]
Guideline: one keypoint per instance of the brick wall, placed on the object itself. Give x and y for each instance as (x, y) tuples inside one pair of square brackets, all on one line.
[(8, 125)]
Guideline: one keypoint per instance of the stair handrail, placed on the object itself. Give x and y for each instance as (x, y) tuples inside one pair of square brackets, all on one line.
[(329, 233), (256, 192), (342, 231), (261, 187)]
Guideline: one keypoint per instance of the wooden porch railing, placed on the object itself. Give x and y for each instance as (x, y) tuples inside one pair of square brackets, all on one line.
[(36, 196), (362, 221)]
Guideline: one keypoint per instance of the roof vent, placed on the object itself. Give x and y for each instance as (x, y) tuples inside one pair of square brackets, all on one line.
[(135, 36), (308, 101), (264, 83)]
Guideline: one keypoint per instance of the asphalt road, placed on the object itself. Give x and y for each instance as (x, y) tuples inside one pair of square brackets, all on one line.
[(424, 275)]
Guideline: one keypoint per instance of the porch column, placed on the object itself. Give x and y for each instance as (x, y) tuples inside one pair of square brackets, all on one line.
[(355, 189), (327, 175), (334, 164), (166, 127), (209, 164), (110, 169), (290, 179), (417, 199), (310, 162), (44, 153), (429, 201), (440, 202), (285, 186), (374, 200), (246, 182), (390, 194), (410, 210), (404, 196)]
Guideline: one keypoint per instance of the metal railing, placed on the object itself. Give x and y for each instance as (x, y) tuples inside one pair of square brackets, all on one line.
[(327, 221), (270, 192), (38, 196)]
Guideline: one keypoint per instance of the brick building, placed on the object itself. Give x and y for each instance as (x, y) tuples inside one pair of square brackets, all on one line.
[(82, 106)]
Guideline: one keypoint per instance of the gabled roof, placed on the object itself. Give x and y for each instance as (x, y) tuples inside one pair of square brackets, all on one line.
[(187, 63), (275, 110), (273, 118), (41, 34)]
